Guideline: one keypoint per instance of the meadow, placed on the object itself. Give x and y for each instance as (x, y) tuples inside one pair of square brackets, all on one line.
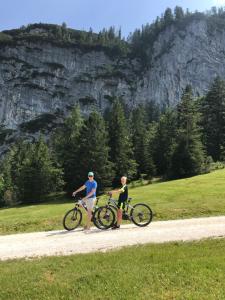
[(161, 272), (199, 196)]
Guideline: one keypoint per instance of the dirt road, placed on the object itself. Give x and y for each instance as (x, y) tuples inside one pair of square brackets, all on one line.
[(78, 241)]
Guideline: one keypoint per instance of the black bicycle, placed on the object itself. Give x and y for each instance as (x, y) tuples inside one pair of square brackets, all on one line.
[(73, 217), (140, 214)]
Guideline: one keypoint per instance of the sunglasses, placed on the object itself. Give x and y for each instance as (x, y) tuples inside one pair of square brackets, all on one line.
[(90, 176)]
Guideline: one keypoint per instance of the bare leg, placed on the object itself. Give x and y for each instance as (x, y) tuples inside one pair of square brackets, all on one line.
[(119, 216), (89, 216)]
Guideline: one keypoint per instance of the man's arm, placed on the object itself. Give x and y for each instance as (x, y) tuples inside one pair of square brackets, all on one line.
[(89, 194), (80, 189)]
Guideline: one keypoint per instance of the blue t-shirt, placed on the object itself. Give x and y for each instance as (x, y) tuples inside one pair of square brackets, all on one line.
[(90, 185)]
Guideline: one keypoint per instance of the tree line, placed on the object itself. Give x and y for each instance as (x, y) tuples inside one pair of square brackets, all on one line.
[(138, 44), (142, 39), (180, 142)]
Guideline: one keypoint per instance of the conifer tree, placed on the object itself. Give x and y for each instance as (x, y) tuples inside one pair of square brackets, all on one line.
[(121, 148), (141, 139), (165, 141), (66, 144), (30, 172), (213, 120), (94, 151), (179, 13), (188, 156), (38, 174), (168, 16)]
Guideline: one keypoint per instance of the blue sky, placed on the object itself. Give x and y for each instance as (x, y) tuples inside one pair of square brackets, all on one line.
[(83, 14)]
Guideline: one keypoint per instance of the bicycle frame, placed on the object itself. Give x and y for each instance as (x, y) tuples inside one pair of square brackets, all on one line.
[(126, 216), (78, 205)]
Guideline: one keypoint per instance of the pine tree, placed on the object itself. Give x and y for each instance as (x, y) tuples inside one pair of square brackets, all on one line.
[(151, 167), (94, 151), (30, 172), (168, 16), (141, 140), (179, 13), (8, 197), (153, 111), (66, 143), (213, 120), (121, 152), (2, 190), (39, 174), (188, 156), (165, 142)]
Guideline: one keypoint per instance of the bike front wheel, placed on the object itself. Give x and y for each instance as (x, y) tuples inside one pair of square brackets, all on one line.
[(141, 214), (104, 217), (72, 219)]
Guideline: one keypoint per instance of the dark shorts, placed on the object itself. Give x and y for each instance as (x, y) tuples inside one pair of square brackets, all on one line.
[(121, 204)]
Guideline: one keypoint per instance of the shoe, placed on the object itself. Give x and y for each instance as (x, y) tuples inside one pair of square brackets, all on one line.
[(86, 228), (115, 226)]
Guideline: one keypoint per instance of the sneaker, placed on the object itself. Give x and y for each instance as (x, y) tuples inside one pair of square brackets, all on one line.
[(115, 227), (86, 228)]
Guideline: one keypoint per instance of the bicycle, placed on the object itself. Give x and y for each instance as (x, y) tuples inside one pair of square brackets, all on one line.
[(140, 214), (73, 217)]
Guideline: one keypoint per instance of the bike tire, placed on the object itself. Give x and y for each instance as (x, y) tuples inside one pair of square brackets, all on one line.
[(69, 216), (140, 215), (104, 217)]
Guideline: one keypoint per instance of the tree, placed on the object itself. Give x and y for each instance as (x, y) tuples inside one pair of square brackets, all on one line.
[(121, 152), (64, 26), (94, 151), (179, 13), (213, 120), (66, 144), (153, 111), (168, 16), (2, 190), (151, 167), (164, 141), (188, 156), (39, 174), (36, 173), (141, 140)]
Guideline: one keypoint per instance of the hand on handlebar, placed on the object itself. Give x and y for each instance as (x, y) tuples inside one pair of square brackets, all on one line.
[(74, 194)]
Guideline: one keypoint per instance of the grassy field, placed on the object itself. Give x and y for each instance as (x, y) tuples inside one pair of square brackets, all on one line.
[(168, 271), (193, 197)]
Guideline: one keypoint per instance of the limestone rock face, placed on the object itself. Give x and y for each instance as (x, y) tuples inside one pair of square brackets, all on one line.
[(42, 79), (194, 55)]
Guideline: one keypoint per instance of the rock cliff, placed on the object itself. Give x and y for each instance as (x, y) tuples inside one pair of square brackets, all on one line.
[(41, 81)]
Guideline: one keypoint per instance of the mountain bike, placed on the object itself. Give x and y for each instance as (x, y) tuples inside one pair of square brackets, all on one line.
[(73, 217), (140, 214)]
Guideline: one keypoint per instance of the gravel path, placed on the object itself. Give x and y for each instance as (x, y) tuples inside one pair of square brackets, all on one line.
[(78, 241)]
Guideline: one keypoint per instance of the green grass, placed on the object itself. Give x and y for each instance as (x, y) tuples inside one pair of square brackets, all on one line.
[(169, 271), (198, 196)]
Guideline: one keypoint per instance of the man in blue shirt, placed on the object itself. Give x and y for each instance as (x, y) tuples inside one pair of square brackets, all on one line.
[(90, 198)]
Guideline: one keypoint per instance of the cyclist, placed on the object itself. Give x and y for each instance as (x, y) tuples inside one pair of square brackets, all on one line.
[(91, 186), (123, 191)]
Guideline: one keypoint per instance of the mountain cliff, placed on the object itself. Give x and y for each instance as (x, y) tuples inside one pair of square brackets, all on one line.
[(42, 78)]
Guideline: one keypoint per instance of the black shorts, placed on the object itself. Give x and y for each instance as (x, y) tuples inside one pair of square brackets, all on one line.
[(121, 204)]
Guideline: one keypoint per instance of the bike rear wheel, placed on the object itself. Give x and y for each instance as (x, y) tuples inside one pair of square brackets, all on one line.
[(72, 219), (141, 214), (104, 217)]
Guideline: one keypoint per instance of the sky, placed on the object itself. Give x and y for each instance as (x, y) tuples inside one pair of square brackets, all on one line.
[(83, 14)]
